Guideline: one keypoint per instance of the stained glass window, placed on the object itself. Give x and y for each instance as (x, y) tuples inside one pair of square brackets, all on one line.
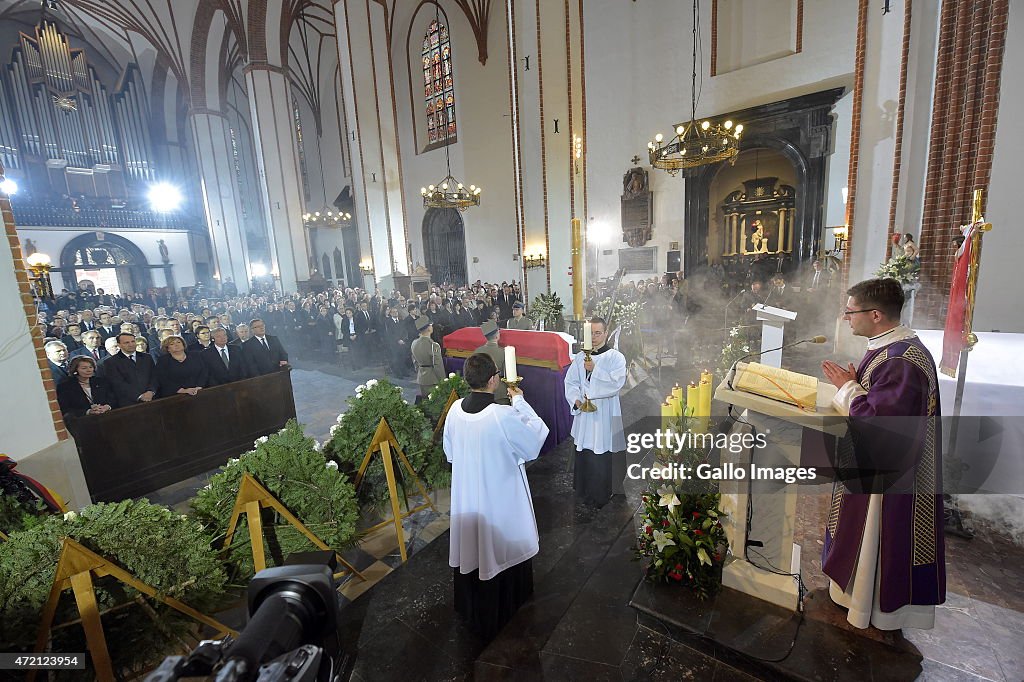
[(438, 85)]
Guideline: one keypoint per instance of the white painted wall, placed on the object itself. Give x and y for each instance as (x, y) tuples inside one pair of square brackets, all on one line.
[(999, 305), (637, 77), (52, 241), (481, 156)]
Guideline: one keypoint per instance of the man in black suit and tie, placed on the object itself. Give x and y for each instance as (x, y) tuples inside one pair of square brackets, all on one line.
[(107, 328), (224, 361), (505, 300), (131, 375), (87, 322), (57, 358), (395, 344), (366, 332), (92, 347), (263, 354)]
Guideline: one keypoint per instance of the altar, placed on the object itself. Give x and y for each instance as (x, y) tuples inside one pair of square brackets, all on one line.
[(542, 359)]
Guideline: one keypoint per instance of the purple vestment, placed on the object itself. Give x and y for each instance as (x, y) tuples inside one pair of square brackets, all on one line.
[(901, 381)]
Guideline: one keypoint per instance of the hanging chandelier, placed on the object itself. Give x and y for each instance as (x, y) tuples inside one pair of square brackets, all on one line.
[(695, 144), (327, 218), (449, 192)]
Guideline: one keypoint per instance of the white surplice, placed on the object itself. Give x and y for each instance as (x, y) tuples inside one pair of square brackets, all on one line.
[(492, 522), (599, 431)]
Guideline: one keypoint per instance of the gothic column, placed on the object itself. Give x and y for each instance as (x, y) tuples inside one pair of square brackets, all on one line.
[(277, 158), (214, 157)]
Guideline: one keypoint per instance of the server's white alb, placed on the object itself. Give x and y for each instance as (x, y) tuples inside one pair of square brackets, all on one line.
[(599, 431), (492, 521)]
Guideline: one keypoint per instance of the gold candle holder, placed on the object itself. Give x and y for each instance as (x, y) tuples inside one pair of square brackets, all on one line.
[(587, 405), (512, 384)]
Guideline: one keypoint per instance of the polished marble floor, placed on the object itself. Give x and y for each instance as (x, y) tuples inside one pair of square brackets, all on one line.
[(578, 625)]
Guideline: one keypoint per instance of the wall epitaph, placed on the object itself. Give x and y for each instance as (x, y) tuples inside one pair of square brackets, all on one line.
[(637, 207)]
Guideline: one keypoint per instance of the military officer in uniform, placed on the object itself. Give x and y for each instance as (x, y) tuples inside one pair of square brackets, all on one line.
[(426, 355), (518, 319), (493, 334)]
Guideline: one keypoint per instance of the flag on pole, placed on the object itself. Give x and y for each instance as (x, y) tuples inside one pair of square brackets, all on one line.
[(954, 339)]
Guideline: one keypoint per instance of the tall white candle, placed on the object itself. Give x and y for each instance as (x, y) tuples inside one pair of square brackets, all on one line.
[(588, 336), (511, 371)]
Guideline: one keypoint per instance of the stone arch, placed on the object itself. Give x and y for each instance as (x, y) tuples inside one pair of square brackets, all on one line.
[(444, 245), (123, 256)]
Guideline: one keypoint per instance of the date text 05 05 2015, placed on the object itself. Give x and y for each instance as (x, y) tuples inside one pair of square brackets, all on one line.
[(42, 661)]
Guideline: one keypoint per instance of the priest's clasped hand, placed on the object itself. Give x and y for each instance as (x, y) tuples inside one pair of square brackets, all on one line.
[(837, 375)]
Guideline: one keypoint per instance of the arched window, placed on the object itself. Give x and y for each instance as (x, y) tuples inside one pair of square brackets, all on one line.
[(438, 85), (339, 267), (327, 267)]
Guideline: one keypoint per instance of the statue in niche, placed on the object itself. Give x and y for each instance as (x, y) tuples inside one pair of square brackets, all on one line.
[(29, 248), (165, 255), (758, 238)]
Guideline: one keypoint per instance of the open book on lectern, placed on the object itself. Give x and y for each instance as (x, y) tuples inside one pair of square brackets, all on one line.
[(778, 384)]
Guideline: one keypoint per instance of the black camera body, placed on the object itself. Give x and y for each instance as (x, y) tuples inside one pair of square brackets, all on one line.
[(292, 634)]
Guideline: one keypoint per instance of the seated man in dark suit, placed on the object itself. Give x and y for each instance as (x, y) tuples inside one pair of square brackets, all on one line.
[(57, 359), (224, 361), (263, 353), (130, 373)]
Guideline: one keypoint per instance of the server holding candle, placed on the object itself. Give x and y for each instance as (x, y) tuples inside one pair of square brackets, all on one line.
[(598, 374)]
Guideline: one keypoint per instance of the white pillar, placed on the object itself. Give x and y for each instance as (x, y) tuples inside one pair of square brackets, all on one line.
[(212, 136), (277, 159)]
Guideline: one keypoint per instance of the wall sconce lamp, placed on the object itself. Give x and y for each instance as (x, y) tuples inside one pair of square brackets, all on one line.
[(577, 152), (39, 264), (841, 236), (534, 261), (366, 268)]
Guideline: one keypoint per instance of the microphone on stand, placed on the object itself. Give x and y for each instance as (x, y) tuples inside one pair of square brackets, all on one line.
[(731, 301), (732, 370)]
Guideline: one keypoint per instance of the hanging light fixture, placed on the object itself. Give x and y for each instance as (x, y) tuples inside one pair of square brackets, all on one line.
[(449, 192), (695, 143), (327, 218)]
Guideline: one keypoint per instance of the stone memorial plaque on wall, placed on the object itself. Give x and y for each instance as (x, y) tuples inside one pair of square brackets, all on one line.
[(636, 207), (639, 261)]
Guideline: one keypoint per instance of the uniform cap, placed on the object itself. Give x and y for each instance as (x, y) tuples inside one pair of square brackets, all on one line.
[(422, 322), (489, 328)]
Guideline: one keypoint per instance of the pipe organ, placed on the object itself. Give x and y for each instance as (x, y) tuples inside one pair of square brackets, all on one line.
[(61, 126)]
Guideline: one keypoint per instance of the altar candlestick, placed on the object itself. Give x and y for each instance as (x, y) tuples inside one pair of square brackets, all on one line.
[(588, 336), (692, 400), (511, 371)]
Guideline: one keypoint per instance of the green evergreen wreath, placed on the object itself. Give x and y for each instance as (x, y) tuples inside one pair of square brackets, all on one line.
[(168, 551), (290, 465), (433, 406), (351, 436)]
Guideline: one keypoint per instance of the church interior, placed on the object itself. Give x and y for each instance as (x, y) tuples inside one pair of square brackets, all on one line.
[(257, 251)]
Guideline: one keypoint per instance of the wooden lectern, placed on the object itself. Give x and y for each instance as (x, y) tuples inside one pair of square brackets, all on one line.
[(772, 504), (773, 322)]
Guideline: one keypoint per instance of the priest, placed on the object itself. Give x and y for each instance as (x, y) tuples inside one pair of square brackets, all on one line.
[(600, 466), (884, 549), (493, 529)]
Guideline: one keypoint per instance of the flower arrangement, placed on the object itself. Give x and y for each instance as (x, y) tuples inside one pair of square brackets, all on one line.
[(291, 466), (681, 539), (438, 398), (625, 316), (351, 436), (168, 551), (736, 346), (548, 307), (901, 268)]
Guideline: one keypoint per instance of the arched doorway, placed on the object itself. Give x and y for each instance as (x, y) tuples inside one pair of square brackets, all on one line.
[(108, 261), (444, 245)]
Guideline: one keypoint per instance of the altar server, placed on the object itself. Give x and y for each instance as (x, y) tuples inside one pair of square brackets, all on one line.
[(493, 529), (885, 553), (600, 465)]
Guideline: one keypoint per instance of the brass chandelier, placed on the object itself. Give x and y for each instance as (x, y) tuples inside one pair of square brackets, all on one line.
[(695, 144), (327, 218), (449, 192)]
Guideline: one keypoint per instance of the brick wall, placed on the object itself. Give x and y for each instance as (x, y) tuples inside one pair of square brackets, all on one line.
[(28, 305), (972, 36), (855, 117)]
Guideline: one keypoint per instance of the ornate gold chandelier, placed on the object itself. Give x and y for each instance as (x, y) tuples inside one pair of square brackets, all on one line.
[(695, 144), (327, 218), (450, 193)]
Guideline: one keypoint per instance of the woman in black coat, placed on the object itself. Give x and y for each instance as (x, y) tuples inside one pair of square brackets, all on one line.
[(84, 393), (178, 371)]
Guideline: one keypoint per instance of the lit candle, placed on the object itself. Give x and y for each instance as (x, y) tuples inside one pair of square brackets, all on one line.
[(511, 372), (676, 401), (667, 414), (692, 400), (588, 336), (705, 393), (677, 392)]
